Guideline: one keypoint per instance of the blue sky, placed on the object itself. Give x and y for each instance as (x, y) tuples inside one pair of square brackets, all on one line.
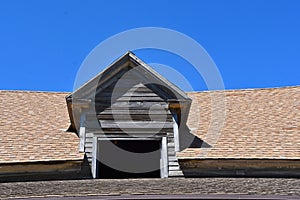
[(254, 43)]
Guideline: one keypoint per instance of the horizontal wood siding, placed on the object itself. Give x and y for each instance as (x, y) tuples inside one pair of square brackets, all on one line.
[(173, 165), (133, 109)]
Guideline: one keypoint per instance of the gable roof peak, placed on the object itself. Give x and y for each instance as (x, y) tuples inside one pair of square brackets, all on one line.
[(130, 59)]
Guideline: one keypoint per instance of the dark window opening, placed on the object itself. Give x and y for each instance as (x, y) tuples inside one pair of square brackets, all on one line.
[(106, 150)]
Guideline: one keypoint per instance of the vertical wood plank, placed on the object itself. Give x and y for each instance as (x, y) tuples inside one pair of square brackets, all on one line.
[(94, 157), (176, 133), (82, 131), (164, 158)]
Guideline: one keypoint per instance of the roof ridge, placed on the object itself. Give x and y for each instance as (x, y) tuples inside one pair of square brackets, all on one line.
[(35, 91), (203, 91), (246, 89)]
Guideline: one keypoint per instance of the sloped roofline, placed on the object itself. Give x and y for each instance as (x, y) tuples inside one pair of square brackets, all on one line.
[(129, 56)]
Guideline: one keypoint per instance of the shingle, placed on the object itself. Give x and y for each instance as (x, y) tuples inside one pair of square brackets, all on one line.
[(31, 127), (259, 123)]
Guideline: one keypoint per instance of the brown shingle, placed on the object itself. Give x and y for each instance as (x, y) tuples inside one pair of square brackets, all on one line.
[(259, 123), (32, 127)]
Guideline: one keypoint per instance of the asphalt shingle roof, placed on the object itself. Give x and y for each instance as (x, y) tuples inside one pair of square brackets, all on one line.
[(33, 128), (259, 123)]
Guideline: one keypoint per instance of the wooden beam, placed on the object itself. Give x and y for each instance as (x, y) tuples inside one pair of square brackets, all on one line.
[(135, 124), (176, 133), (81, 103), (139, 117), (136, 112), (43, 166), (128, 131), (82, 131), (223, 163), (164, 158), (129, 138), (126, 105), (94, 157)]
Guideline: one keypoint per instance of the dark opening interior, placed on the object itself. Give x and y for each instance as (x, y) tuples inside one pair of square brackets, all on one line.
[(107, 151)]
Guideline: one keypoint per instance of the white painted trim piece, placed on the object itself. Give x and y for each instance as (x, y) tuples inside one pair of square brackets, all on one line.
[(122, 138), (126, 137), (176, 133), (164, 158), (82, 132), (94, 157)]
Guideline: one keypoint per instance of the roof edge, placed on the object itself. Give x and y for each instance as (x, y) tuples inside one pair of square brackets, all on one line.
[(231, 158), (35, 91), (245, 89), (102, 71), (159, 76), (41, 161)]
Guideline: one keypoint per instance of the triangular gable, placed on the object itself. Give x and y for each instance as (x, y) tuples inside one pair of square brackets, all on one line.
[(128, 59), (143, 73)]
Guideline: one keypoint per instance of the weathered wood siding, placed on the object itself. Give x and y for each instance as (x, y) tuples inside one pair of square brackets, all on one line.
[(129, 99), (127, 110)]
